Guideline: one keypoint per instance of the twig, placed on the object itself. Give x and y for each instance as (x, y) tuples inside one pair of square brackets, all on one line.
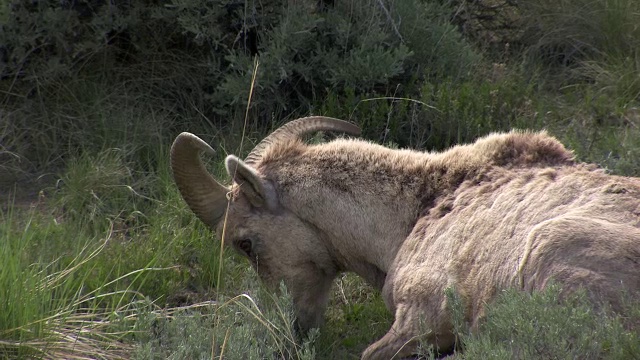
[(393, 24)]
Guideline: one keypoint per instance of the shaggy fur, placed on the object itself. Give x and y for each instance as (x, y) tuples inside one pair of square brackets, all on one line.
[(510, 210)]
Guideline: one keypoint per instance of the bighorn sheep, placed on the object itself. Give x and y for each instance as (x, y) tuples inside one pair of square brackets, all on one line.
[(510, 210)]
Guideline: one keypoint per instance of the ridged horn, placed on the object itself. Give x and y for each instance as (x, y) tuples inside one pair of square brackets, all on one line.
[(296, 128), (205, 196)]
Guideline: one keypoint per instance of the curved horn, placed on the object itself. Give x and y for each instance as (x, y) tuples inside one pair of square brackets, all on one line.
[(297, 128), (205, 196)]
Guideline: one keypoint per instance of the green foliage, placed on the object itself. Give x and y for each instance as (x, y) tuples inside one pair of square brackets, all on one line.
[(570, 32), (583, 27), (89, 114), (438, 50), (88, 266), (46, 310), (351, 48), (97, 189), (94, 91), (601, 133), (257, 325), (444, 113), (4, 11), (100, 195), (44, 40), (356, 317), (550, 325), (18, 279), (199, 57)]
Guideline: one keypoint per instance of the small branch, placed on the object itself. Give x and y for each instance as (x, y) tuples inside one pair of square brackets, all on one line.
[(393, 24)]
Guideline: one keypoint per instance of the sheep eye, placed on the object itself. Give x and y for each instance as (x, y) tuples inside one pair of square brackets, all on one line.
[(246, 247)]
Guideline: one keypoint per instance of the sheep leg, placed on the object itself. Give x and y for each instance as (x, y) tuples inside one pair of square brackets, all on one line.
[(400, 341), (410, 327)]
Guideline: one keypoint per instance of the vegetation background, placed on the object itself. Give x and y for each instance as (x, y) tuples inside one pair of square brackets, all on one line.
[(100, 258)]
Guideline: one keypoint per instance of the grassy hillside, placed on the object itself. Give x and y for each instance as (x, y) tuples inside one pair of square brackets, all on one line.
[(101, 257)]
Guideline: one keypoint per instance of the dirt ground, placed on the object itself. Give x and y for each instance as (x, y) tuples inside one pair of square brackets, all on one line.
[(22, 190)]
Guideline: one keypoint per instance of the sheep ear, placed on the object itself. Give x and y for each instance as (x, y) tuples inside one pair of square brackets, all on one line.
[(259, 191)]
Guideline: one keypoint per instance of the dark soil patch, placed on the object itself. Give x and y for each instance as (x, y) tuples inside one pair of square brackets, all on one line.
[(19, 190)]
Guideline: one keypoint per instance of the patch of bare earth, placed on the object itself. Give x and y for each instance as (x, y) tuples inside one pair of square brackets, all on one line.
[(22, 191)]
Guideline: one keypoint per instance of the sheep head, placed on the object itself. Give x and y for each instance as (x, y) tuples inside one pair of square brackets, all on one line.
[(248, 215)]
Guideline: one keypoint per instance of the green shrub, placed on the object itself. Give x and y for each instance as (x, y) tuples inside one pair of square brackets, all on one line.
[(4, 10), (603, 136), (586, 27), (256, 325), (98, 189), (568, 32), (544, 325), (355, 318), (443, 113), (72, 70), (354, 47), (96, 91), (148, 224)]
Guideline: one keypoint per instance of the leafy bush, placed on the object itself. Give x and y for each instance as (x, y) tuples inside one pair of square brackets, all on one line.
[(62, 62), (587, 27), (95, 90), (494, 25), (249, 326), (546, 325), (96, 189), (443, 113), (571, 31)]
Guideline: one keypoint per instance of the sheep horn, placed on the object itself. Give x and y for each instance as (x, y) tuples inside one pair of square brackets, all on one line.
[(297, 128), (205, 196)]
